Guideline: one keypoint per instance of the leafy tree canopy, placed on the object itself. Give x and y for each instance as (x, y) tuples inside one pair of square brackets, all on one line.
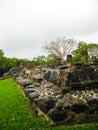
[(91, 48)]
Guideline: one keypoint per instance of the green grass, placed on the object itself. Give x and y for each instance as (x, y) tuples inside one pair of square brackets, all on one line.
[(16, 114)]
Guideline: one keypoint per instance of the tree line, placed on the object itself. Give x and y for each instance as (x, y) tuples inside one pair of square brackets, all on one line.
[(63, 46), (55, 49)]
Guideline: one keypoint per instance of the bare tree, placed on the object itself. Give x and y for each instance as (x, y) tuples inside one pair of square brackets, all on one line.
[(61, 47)]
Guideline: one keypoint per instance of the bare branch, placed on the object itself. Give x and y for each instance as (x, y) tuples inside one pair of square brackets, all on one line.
[(61, 47)]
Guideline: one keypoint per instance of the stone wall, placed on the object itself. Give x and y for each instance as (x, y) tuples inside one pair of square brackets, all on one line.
[(62, 95)]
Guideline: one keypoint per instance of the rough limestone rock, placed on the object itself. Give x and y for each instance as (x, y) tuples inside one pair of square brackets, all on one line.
[(62, 95), (46, 103), (33, 95)]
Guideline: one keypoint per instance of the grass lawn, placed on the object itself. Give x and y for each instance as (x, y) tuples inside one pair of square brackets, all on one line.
[(16, 114)]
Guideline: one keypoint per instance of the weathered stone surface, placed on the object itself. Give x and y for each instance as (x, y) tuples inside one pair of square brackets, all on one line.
[(53, 77), (58, 113), (33, 95), (64, 90), (92, 84), (76, 85), (73, 76), (78, 106), (84, 57), (24, 82), (77, 65), (38, 78), (92, 100), (65, 95), (46, 103), (63, 67), (29, 90), (47, 75)]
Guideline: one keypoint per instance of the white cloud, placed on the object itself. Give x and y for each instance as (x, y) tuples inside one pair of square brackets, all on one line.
[(26, 24)]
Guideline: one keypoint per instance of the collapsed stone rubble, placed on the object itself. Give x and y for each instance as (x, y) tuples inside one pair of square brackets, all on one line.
[(63, 95)]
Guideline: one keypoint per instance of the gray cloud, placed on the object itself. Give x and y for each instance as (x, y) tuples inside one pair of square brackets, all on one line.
[(26, 24)]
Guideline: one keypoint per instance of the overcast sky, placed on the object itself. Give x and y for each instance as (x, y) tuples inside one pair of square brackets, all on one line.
[(25, 25)]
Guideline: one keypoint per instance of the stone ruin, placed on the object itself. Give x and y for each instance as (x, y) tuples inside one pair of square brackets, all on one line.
[(63, 95)]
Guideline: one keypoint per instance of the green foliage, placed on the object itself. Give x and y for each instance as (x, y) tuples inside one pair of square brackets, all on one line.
[(91, 48), (15, 112), (91, 45), (42, 60), (7, 63), (82, 46)]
